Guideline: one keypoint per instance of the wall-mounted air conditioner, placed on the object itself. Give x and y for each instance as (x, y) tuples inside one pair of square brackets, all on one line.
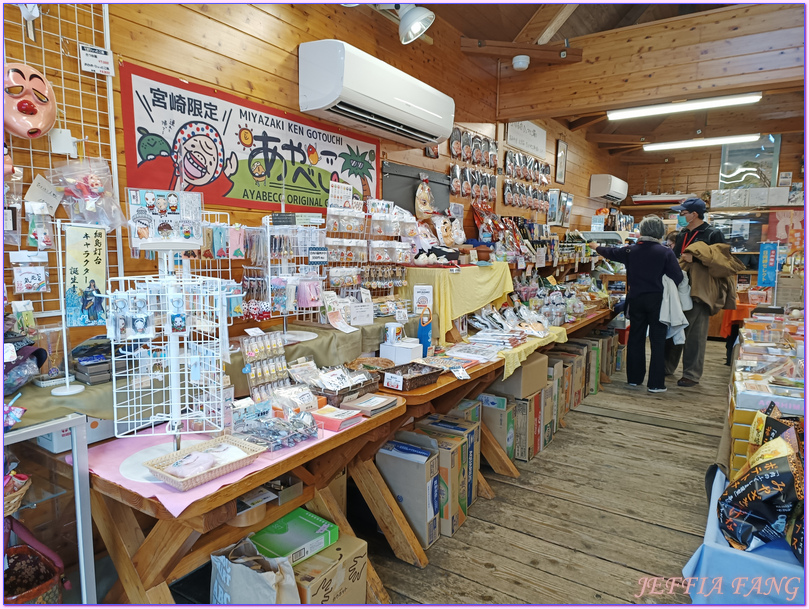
[(350, 87), (604, 186)]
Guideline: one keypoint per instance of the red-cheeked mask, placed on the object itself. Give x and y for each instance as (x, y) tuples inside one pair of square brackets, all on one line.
[(29, 107)]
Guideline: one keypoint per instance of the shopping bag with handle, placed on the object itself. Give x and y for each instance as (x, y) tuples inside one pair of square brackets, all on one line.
[(242, 576)]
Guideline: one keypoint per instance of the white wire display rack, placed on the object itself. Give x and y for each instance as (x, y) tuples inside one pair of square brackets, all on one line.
[(168, 336), (85, 107)]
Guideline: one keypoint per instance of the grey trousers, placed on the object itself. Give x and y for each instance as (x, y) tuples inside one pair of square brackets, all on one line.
[(693, 351)]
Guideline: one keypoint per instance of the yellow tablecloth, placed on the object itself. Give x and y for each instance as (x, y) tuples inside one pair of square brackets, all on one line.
[(456, 294), (514, 357)]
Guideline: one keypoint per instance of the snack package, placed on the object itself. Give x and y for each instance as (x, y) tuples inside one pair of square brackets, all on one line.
[(523, 196), (458, 234), (484, 149), (443, 230), (509, 164), (508, 193), (425, 202), (477, 151), (466, 146), (87, 192), (756, 506), (475, 185), (466, 182), (492, 188), (12, 207), (484, 186), (492, 153), (455, 180), (455, 143), (794, 533)]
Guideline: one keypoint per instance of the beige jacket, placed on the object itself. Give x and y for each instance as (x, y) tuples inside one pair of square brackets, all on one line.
[(713, 275)]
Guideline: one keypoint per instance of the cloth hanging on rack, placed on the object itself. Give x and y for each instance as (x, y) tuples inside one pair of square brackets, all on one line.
[(220, 241), (236, 242), (207, 242)]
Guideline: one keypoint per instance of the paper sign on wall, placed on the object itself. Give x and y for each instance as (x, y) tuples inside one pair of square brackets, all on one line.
[(527, 136), (85, 276)]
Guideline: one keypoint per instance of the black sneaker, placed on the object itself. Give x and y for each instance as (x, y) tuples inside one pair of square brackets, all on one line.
[(657, 390)]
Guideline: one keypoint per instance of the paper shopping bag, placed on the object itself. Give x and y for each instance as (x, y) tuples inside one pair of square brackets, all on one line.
[(242, 576)]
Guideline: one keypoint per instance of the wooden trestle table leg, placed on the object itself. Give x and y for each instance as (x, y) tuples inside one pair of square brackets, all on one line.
[(143, 564), (387, 512), (325, 505), (484, 490), (495, 454)]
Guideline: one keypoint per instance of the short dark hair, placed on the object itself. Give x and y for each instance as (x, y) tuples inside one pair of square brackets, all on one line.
[(672, 236)]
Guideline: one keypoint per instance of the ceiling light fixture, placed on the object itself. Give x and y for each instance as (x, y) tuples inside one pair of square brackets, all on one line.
[(520, 62), (709, 141), (413, 21), (684, 106)]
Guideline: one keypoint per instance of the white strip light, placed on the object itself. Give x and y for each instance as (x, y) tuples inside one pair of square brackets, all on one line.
[(685, 106), (708, 141)]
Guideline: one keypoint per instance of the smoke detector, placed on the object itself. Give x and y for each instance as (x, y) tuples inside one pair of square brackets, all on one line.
[(520, 62)]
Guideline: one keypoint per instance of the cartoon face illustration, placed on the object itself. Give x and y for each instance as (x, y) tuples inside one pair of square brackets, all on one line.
[(446, 232), (165, 230), (173, 201), (198, 153), (151, 145), (29, 107), (258, 173), (187, 230), (162, 206), (95, 183), (149, 198)]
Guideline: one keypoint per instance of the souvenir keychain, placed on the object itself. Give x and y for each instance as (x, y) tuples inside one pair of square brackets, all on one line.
[(179, 325), (119, 317), (140, 318)]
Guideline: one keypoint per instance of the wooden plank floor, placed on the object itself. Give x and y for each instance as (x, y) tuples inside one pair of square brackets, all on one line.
[(617, 496)]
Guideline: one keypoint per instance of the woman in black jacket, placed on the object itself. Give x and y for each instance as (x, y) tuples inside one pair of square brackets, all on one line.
[(646, 262)]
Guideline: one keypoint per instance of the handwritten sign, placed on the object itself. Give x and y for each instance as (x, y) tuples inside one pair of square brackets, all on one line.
[(85, 276), (527, 136)]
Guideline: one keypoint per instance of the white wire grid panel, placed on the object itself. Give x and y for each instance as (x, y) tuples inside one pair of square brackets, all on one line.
[(278, 271), (213, 267), (82, 101), (167, 354)]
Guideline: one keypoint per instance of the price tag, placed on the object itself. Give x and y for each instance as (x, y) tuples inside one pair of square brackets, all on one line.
[(318, 255), (96, 60), (9, 353), (362, 314), (394, 381), (365, 295), (42, 191), (541, 256), (460, 373), (283, 219), (521, 262), (401, 316), (254, 332)]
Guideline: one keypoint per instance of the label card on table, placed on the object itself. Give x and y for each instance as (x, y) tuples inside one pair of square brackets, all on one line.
[(394, 381), (460, 373), (362, 314), (401, 316), (365, 295), (254, 331), (521, 262)]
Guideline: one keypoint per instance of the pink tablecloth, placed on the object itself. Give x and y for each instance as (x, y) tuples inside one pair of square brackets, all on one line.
[(106, 459)]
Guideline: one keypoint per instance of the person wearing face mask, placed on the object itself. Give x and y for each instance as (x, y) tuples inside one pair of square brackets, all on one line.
[(695, 230)]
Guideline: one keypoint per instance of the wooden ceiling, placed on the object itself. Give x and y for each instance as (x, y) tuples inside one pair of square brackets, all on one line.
[(506, 21), (751, 49)]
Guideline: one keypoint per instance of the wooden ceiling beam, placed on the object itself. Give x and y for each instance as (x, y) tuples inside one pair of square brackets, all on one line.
[(646, 158), (789, 125), (549, 53), (623, 151), (586, 121), (545, 23), (610, 138)]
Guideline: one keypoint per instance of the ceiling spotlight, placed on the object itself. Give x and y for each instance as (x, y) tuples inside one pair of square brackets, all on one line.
[(520, 62), (413, 21)]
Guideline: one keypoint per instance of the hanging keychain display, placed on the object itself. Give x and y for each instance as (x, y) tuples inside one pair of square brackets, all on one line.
[(177, 316), (119, 317), (141, 320)]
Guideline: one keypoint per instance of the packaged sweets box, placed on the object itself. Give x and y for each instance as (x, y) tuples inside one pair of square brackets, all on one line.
[(297, 536), (336, 575)]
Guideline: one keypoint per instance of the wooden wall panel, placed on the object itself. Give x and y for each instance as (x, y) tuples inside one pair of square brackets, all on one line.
[(733, 49), (792, 151)]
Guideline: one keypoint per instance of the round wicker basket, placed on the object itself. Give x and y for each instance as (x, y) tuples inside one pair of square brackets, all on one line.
[(12, 501)]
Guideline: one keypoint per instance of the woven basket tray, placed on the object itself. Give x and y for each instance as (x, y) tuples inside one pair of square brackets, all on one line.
[(370, 363), (158, 465), (12, 501), (415, 375)]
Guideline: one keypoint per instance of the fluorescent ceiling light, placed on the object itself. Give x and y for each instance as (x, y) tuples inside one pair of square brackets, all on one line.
[(686, 106), (413, 22), (709, 141)]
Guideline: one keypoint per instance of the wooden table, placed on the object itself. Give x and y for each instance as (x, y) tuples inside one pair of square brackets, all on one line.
[(440, 397), (147, 562), (586, 322)]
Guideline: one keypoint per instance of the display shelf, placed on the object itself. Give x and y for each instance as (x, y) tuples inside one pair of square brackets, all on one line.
[(586, 321), (41, 490), (721, 210), (77, 423), (647, 207)]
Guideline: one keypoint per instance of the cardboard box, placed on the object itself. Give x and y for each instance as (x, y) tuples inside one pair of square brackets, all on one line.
[(469, 410), (465, 473), (593, 363), (468, 430), (452, 479), (527, 427), (547, 419), (336, 575), (411, 473), (297, 536), (564, 389), (568, 387), (488, 400), (59, 441), (578, 379), (747, 399), (338, 488), (401, 352), (620, 358), (501, 424), (530, 377), (556, 374)]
